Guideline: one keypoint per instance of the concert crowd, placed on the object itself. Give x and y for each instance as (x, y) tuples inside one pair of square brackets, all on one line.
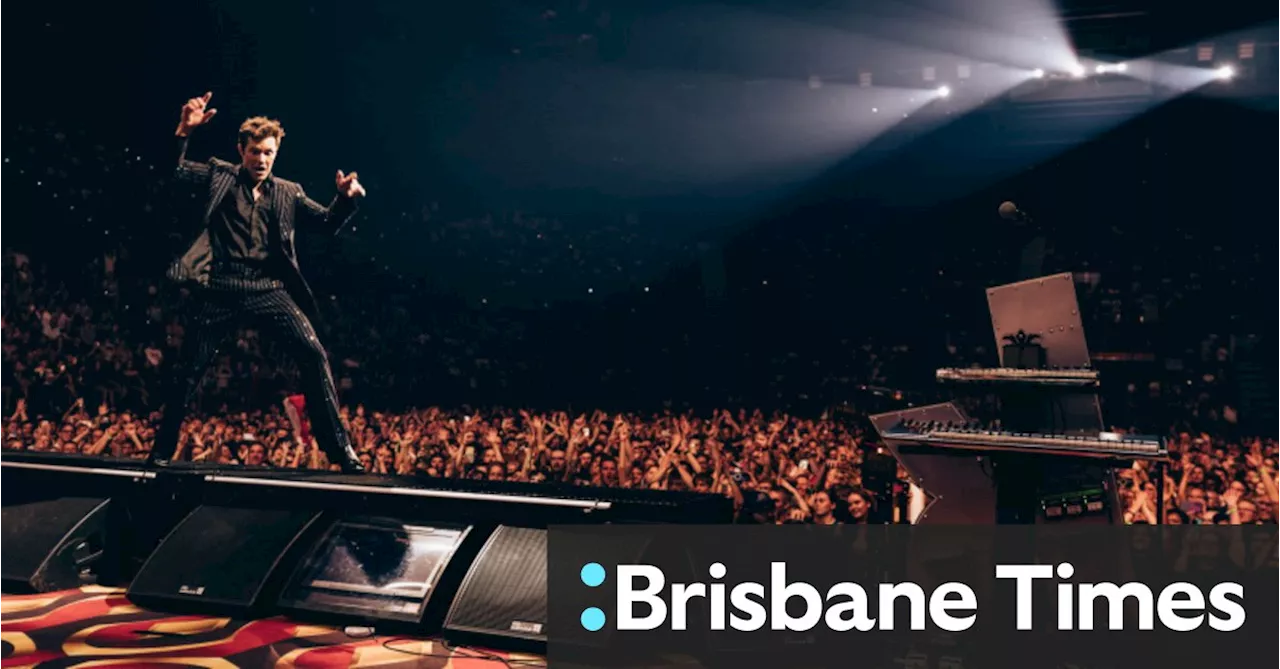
[(440, 387)]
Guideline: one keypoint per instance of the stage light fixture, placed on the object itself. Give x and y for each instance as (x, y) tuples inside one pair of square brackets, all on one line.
[(1037, 73), (1076, 70), (1225, 72), (944, 91)]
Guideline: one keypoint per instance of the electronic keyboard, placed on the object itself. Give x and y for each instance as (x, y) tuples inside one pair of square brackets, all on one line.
[(973, 437), (1081, 377)]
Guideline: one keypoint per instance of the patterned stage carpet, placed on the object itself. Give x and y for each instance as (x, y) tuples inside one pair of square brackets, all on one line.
[(98, 627)]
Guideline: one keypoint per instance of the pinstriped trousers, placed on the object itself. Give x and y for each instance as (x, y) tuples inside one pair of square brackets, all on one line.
[(239, 299)]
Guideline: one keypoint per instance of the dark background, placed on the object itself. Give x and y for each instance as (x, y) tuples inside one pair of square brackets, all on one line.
[(440, 108)]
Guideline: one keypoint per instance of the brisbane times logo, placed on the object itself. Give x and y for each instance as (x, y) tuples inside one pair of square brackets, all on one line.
[(646, 601)]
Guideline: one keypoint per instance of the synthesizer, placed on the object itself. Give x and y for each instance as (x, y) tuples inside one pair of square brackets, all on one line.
[(1079, 377), (975, 437)]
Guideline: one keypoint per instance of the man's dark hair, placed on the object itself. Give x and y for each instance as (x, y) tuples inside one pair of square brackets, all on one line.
[(259, 128)]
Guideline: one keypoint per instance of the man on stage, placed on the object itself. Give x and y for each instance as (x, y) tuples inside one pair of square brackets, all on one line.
[(243, 271)]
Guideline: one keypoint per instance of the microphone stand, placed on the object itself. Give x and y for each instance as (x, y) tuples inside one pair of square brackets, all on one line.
[(1031, 260), (1017, 476)]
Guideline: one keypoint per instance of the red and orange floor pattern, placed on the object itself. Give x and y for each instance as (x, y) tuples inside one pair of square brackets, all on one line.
[(98, 627)]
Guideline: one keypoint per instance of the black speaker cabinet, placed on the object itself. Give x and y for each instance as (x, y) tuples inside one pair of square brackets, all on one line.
[(220, 560), (381, 571), (51, 545), (504, 594), (502, 602)]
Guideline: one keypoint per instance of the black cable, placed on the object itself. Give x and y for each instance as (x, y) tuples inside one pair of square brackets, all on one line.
[(460, 652), (486, 655), (386, 643)]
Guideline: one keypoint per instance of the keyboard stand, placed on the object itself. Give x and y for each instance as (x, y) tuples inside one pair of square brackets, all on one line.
[(1047, 307), (1020, 485)]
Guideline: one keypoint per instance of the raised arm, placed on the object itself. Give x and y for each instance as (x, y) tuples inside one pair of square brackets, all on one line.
[(194, 114), (340, 209)]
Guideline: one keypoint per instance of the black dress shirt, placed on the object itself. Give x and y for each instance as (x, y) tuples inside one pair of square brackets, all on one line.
[(240, 227)]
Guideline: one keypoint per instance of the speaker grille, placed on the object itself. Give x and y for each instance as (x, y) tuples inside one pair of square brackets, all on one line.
[(35, 531), (220, 555), (505, 592)]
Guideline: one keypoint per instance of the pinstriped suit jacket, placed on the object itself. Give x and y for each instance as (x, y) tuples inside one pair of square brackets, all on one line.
[(292, 207)]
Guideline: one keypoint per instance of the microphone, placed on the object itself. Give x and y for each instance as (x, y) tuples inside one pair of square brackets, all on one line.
[(1010, 212)]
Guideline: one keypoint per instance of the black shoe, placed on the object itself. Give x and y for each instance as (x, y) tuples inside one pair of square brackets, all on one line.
[(351, 466), (345, 457), (158, 462)]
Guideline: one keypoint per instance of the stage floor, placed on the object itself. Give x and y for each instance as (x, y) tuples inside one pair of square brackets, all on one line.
[(96, 626)]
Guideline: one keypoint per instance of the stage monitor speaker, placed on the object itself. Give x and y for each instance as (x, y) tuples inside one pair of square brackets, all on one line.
[(379, 570), (51, 544), (220, 560), (504, 595), (502, 602)]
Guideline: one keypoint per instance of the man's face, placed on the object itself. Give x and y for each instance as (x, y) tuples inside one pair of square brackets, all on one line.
[(256, 456), (1266, 512), (1246, 510), (1196, 496), (821, 504), (259, 157)]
